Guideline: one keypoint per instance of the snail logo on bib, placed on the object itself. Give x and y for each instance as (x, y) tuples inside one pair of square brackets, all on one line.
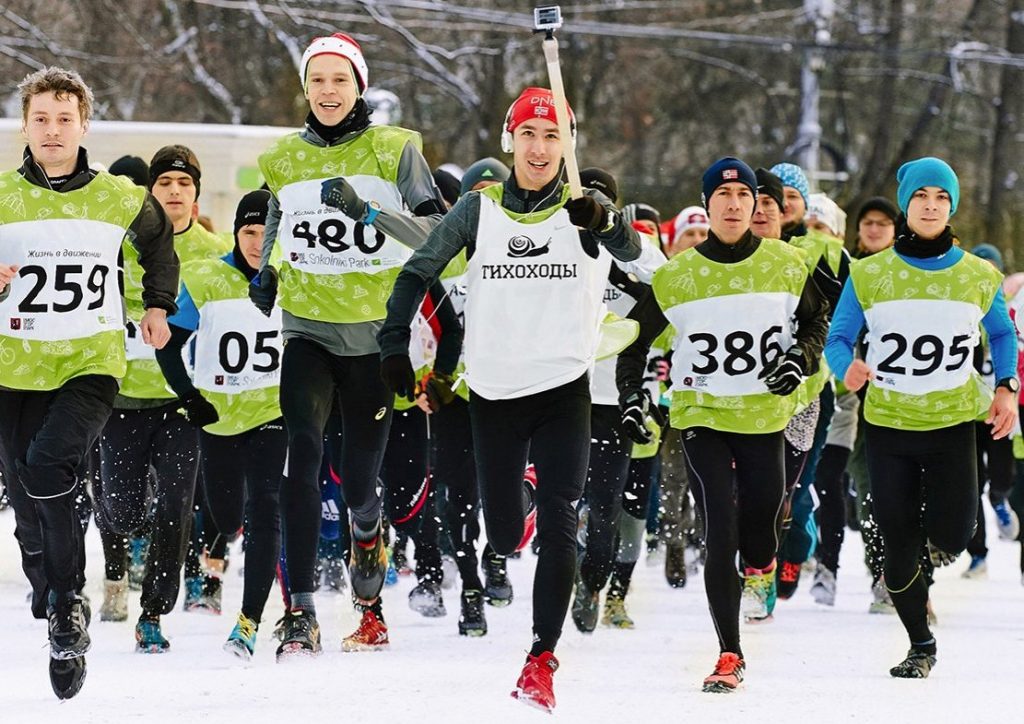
[(520, 246)]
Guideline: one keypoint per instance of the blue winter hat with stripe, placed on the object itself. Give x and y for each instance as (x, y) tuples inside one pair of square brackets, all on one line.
[(927, 171), (794, 176), (727, 170), (990, 254)]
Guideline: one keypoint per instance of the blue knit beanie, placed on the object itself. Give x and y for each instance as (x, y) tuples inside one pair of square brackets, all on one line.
[(990, 254), (792, 175), (928, 171), (727, 170)]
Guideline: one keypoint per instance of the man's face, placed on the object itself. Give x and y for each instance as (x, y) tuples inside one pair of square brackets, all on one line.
[(537, 153), (687, 240), (646, 226), (876, 231), (730, 209), (54, 130), (250, 243), (331, 88), (796, 208), (176, 193), (767, 221), (928, 211)]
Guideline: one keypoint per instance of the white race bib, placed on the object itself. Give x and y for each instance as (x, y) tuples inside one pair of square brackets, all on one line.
[(724, 342), (917, 346), (134, 347), (237, 348), (66, 287), (317, 239)]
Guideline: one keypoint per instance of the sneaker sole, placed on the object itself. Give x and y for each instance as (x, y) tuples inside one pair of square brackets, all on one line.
[(754, 621), (351, 648), (74, 670), (474, 633), (238, 650), (112, 618), (522, 696), (151, 649), (718, 687), (296, 651), (498, 602)]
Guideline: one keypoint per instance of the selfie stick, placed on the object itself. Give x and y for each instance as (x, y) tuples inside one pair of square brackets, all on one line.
[(546, 20)]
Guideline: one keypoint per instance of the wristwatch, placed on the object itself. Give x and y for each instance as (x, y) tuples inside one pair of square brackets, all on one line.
[(1010, 383), (372, 209)]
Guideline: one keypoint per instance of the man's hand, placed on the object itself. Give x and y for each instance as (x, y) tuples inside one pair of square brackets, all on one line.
[(338, 193), (7, 274), (587, 213), (397, 373), (263, 290), (784, 373), (1002, 415), (197, 410), (155, 331), (636, 407), (857, 375)]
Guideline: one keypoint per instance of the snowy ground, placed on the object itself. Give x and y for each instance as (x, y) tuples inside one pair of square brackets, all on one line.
[(812, 663)]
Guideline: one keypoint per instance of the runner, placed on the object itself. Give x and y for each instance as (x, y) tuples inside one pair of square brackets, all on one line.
[(62, 338)]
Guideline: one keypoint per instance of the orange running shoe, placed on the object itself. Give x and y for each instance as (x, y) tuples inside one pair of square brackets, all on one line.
[(372, 634), (536, 684), (727, 675)]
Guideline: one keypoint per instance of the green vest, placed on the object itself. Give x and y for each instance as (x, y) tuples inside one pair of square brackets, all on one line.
[(730, 320), (144, 380), (818, 244), (334, 269), (238, 350), (923, 326), (63, 317)]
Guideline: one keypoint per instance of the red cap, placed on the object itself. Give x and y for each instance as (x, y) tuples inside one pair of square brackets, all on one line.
[(534, 103)]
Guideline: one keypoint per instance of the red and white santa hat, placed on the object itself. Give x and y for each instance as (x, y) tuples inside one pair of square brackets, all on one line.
[(692, 217), (341, 45)]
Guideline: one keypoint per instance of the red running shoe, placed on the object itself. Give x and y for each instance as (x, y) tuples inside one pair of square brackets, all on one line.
[(727, 675), (536, 684), (530, 523), (789, 579)]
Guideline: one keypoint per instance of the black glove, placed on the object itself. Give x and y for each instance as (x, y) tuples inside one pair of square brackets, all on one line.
[(198, 410), (399, 376), (338, 193), (263, 290), (587, 213), (439, 391), (636, 408), (784, 373)]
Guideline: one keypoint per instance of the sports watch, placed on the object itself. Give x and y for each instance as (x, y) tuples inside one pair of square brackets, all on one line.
[(372, 210), (1010, 383)]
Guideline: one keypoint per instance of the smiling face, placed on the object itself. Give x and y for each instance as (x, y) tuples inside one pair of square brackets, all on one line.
[(54, 130), (176, 193), (537, 153), (331, 88), (730, 209), (928, 211)]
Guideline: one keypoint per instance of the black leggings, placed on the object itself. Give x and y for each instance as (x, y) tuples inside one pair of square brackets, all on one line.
[(552, 430), (996, 468), (44, 438), (741, 509), (132, 442), (830, 484), (607, 474), (924, 487), (455, 473), (312, 380), (405, 471), (242, 475)]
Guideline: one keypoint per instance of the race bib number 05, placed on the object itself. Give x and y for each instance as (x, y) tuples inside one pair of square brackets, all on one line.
[(237, 348)]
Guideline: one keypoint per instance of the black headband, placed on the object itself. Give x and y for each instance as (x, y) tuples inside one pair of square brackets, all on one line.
[(158, 168)]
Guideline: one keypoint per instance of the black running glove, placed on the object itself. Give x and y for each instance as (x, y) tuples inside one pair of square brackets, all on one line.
[(263, 290), (339, 194), (439, 391), (399, 376), (587, 213), (784, 373), (636, 408), (198, 410)]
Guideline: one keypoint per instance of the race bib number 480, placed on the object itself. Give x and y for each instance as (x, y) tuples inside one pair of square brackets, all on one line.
[(727, 341), (317, 239), (237, 348), (66, 287), (918, 346)]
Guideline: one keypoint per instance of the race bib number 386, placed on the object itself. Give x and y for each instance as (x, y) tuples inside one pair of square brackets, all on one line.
[(66, 287), (725, 342)]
